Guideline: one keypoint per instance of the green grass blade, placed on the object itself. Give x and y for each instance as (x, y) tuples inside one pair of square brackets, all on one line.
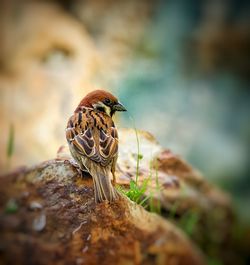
[(139, 156), (10, 143)]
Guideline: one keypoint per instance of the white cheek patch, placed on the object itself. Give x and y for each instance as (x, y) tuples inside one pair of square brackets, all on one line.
[(100, 104)]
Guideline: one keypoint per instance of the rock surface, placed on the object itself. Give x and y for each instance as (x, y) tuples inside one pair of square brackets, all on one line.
[(176, 189), (49, 210), (171, 180), (185, 197), (48, 216)]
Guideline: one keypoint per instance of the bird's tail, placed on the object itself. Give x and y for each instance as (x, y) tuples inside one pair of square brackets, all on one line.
[(104, 190)]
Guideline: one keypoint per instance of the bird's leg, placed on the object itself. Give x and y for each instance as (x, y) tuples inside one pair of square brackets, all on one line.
[(82, 171), (85, 172), (113, 168), (114, 177), (79, 170), (74, 164), (113, 180)]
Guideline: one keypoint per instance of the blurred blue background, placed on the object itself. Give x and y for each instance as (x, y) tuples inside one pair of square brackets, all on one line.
[(188, 84)]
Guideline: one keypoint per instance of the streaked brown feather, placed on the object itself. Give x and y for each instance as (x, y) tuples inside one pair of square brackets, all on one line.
[(92, 134), (93, 141)]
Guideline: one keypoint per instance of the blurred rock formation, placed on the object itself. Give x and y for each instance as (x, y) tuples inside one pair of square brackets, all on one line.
[(50, 58)]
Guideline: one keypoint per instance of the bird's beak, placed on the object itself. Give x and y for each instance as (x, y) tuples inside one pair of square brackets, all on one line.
[(118, 107)]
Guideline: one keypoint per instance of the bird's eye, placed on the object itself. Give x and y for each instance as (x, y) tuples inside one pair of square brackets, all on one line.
[(107, 101)]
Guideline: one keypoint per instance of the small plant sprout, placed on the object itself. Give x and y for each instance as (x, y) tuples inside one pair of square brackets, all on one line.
[(139, 193)]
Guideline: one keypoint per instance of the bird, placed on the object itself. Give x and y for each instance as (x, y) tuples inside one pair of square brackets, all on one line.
[(93, 141)]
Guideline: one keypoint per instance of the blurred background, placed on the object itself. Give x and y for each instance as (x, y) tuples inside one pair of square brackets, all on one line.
[(180, 67)]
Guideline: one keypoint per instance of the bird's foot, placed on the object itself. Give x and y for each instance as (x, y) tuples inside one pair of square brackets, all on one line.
[(113, 181), (84, 173)]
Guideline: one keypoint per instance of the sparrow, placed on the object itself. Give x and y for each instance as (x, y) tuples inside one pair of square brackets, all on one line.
[(93, 140)]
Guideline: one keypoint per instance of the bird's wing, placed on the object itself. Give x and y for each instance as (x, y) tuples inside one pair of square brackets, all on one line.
[(93, 134)]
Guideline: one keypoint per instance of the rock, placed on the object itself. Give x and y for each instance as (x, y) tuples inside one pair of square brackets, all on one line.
[(42, 79), (72, 229), (35, 206), (39, 222), (184, 196), (171, 178), (176, 189), (201, 209)]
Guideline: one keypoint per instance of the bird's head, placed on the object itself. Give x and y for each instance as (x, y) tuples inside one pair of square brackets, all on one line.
[(101, 100)]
